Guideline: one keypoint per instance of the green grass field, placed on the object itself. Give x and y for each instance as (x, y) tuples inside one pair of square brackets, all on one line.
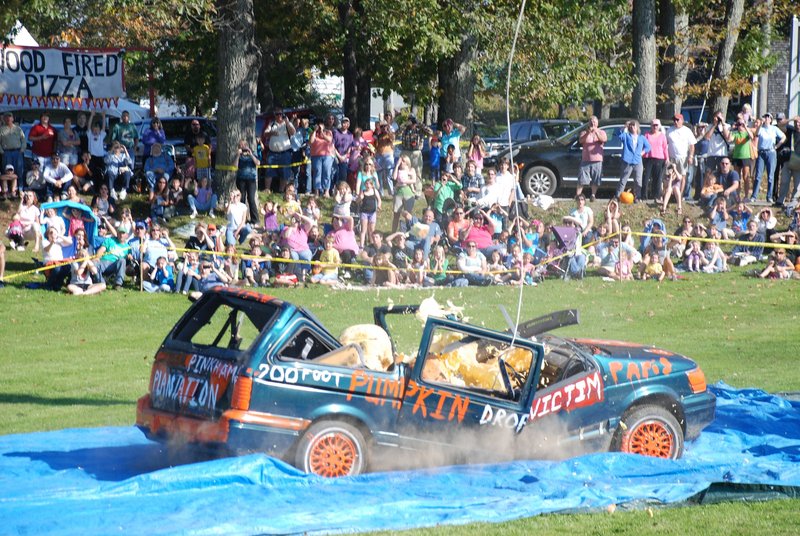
[(83, 362)]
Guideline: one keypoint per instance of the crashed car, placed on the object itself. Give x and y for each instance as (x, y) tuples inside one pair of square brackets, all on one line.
[(245, 372)]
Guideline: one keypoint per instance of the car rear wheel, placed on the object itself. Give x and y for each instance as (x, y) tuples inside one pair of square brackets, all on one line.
[(331, 449), (650, 431), (539, 180)]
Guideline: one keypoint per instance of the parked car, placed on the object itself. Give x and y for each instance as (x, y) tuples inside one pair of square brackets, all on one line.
[(175, 129), (245, 372), (525, 131)]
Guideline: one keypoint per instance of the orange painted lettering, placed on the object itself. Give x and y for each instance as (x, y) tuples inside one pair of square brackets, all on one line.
[(459, 408), (424, 392), (438, 413), (633, 370), (666, 364), (615, 367), (357, 379)]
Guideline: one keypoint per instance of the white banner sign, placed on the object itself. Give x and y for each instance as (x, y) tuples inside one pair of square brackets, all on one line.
[(57, 77)]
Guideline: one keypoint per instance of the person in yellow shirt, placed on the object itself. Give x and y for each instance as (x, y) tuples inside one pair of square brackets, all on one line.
[(330, 271), (201, 153)]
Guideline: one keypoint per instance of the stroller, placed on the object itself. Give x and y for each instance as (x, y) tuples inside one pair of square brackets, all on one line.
[(573, 263)]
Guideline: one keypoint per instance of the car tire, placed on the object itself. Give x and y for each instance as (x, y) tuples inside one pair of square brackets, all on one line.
[(539, 180), (650, 431), (332, 449)]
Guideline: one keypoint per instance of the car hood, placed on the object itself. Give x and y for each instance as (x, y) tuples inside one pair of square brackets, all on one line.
[(627, 351)]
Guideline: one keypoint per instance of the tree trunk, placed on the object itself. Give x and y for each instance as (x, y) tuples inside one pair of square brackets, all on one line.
[(349, 62), (644, 59), (238, 61), (457, 84), (364, 90), (724, 66), (674, 24)]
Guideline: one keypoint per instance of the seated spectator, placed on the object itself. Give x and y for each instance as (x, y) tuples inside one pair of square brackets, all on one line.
[(85, 279), (439, 265), (656, 252), (329, 275), (344, 238), (284, 271), (28, 216), (231, 264), (778, 266), (83, 174), (174, 199), (161, 277), (583, 215), (119, 167), (766, 223), (418, 270), (710, 190), (112, 252), (728, 178), (57, 177), (154, 246), (210, 277), (744, 254), (237, 229), (399, 256), (8, 183), (103, 204), (189, 273), (740, 215), (693, 258), (425, 233), (716, 259), (719, 217), (445, 190), (53, 254), (653, 270), (473, 266), (384, 273), (159, 164), (159, 200), (35, 181), (205, 200), (255, 267), (479, 230)]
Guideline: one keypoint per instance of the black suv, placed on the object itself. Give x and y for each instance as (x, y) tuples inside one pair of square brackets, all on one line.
[(552, 164), (525, 131)]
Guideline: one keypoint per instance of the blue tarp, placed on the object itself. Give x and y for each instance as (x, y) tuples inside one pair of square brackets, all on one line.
[(105, 480)]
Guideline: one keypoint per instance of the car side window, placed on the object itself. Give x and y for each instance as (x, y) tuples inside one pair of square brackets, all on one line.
[(613, 143), (536, 133), (479, 364), (304, 345)]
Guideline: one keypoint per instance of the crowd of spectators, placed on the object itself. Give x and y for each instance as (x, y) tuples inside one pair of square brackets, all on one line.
[(466, 225)]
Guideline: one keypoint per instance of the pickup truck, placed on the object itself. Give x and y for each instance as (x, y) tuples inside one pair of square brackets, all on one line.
[(244, 372)]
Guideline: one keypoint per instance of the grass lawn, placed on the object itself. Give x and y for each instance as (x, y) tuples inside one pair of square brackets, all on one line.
[(83, 362)]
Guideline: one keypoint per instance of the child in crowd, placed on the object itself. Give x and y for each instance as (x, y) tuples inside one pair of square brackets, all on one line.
[(174, 198), (694, 257), (367, 172), (85, 279), (126, 223), (284, 271), (496, 267), (270, 213), (16, 234), (51, 219), (201, 153), (343, 197), (329, 272), (716, 260), (35, 180), (370, 202), (438, 267), (290, 205), (528, 269), (434, 159), (162, 277), (255, 266), (204, 199), (8, 183), (385, 273), (311, 210), (189, 274), (418, 271), (624, 267), (654, 270)]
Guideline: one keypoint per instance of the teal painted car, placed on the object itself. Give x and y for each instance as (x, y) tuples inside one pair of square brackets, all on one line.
[(245, 372)]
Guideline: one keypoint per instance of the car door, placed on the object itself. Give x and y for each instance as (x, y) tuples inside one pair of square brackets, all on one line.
[(612, 156), (470, 391)]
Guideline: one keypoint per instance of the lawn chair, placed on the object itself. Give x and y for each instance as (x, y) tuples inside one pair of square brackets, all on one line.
[(564, 243)]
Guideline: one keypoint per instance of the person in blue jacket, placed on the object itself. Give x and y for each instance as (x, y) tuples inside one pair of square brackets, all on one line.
[(634, 145)]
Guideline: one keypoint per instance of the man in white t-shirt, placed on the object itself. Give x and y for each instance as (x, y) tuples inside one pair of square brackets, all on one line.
[(718, 135), (680, 142), (57, 177)]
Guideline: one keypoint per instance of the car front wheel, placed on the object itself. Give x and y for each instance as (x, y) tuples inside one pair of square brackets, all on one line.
[(332, 449), (539, 180), (651, 431)]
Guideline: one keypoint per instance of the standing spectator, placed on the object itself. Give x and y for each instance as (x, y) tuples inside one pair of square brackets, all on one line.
[(126, 133), (471, 182), (654, 161), (729, 180), (444, 190), (277, 136), (82, 128), (12, 144), (201, 155), (681, 142), (405, 178), (592, 140), (770, 139), (741, 154), (118, 166), (300, 154), (43, 137), (791, 169), (322, 156), (451, 135), (192, 136), (634, 146), (96, 141), (476, 152), (68, 143), (673, 183), (384, 156), (719, 136), (57, 176), (152, 135), (247, 179), (412, 136), (434, 159), (698, 171), (343, 142), (157, 165)]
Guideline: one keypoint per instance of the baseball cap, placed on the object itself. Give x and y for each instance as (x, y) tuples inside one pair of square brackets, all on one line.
[(767, 115), (212, 227), (345, 119), (781, 116), (141, 225), (9, 167), (677, 117)]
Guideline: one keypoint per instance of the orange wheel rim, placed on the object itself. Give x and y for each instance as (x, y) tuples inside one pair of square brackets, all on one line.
[(650, 438), (333, 454)]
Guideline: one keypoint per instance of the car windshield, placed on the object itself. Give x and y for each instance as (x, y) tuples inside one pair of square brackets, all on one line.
[(572, 135)]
